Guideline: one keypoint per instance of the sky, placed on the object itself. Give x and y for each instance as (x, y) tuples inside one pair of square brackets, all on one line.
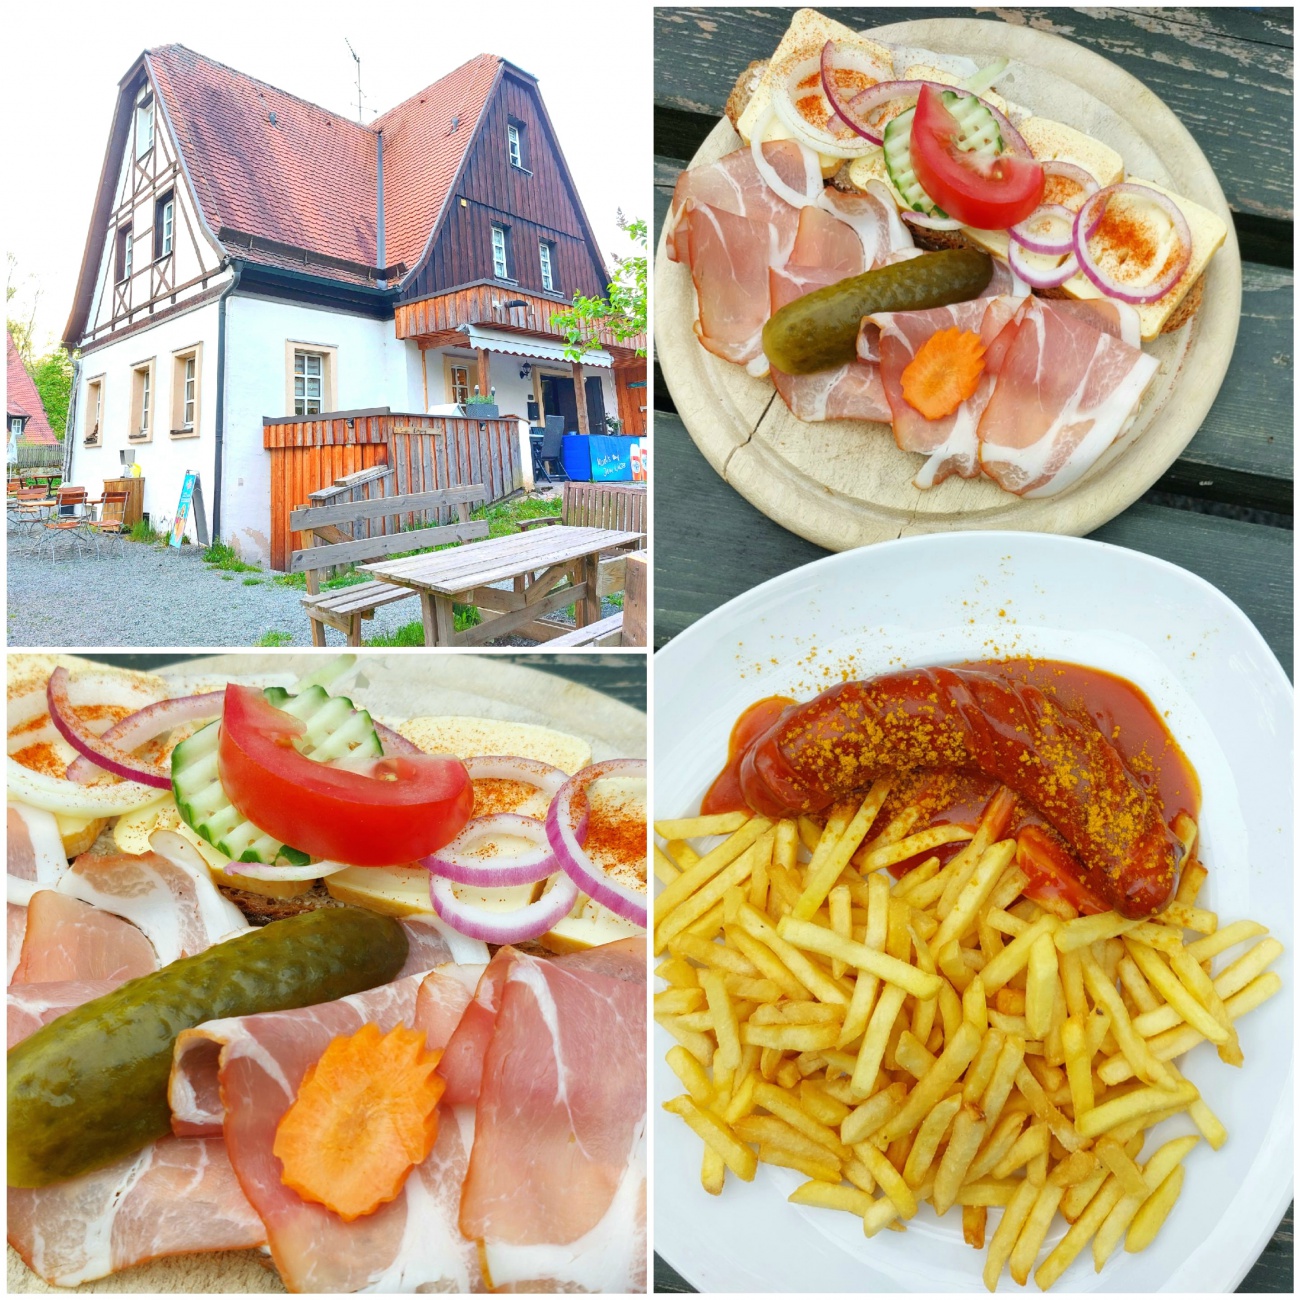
[(591, 61)]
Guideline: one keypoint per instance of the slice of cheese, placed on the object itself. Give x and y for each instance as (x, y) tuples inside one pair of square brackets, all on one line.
[(480, 737)]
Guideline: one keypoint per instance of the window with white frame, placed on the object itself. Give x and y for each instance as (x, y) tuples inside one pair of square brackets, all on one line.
[(143, 128), (16, 423), (458, 381), (124, 254), (187, 369), (189, 392), (94, 409), (515, 143), (164, 225), (545, 251), (500, 252), (141, 400), (308, 382)]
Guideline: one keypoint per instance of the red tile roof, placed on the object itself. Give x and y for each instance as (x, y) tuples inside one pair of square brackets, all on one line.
[(269, 164), (23, 399), (422, 154)]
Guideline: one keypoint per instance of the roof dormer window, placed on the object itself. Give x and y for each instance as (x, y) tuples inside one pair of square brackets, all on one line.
[(144, 127)]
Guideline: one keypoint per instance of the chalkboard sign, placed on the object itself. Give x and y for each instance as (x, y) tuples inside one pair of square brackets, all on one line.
[(191, 498)]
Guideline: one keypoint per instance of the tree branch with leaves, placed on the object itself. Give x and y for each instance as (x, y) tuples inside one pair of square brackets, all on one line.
[(621, 313)]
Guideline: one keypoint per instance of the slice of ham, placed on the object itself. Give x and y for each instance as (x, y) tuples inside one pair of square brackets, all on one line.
[(562, 1104), (949, 444), (177, 906), (34, 856), (34, 1005), (1118, 319), (855, 391), (246, 1071), (66, 939), (176, 1197), (1066, 391), (17, 928)]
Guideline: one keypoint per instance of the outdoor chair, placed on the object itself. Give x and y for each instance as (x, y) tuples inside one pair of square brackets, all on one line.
[(553, 448), (70, 520), (27, 510), (112, 515), (536, 437)]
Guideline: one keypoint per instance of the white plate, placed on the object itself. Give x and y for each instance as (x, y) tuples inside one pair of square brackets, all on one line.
[(941, 599)]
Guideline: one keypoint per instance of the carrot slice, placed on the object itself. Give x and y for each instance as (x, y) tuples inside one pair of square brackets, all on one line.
[(365, 1116), (944, 373)]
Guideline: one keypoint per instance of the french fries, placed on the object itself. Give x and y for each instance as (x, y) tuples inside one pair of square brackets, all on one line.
[(941, 1040)]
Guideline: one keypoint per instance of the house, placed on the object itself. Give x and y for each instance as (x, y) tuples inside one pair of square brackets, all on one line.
[(24, 412), (253, 257)]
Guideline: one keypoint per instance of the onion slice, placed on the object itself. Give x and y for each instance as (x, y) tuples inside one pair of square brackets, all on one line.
[(771, 179), (856, 110), (141, 727), (523, 923), (1089, 220), (930, 223), (1029, 233), (393, 742), (1084, 179), (285, 871), (463, 860), (1040, 277), (85, 742), (628, 903), (530, 771)]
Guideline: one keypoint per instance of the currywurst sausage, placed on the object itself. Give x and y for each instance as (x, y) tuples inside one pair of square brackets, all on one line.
[(973, 721)]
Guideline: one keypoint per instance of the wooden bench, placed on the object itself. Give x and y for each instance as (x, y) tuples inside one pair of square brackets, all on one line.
[(605, 632), (600, 505), (329, 546)]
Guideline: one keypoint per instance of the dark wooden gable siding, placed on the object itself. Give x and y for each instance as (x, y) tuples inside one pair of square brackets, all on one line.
[(535, 207)]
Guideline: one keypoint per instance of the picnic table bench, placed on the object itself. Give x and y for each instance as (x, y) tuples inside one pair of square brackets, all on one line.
[(1223, 510), (329, 546)]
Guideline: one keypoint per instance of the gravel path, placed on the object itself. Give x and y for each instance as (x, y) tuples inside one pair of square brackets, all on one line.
[(141, 595)]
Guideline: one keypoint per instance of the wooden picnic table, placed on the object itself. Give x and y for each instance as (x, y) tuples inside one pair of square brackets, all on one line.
[(535, 563), (1223, 510)]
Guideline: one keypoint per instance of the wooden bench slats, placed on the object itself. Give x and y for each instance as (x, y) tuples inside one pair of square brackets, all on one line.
[(592, 634), (344, 512), (373, 548)]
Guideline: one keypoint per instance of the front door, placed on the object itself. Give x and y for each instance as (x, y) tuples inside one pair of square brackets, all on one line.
[(558, 399), (596, 404)]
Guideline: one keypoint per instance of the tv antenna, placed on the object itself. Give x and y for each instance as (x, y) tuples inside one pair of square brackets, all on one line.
[(357, 57)]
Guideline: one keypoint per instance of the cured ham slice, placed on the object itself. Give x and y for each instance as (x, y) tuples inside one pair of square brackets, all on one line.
[(855, 391), (66, 939), (430, 943), (950, 444), (561, 1109), (17, 928), (34, 855), (34, 1005), (1065, 393), (177, 1196), (177, 906), (245, 1071), (1118, 319)]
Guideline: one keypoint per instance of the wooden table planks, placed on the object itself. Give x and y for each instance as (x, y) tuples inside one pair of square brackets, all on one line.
[(1223, 510)]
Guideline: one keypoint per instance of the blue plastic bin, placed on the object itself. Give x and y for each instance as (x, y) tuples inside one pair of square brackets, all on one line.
[(576, 455)]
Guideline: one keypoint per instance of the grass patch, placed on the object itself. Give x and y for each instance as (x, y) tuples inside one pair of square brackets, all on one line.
[(269, 640), (252, 582), (616, 599), (143, 531), (299, 580), (504, 517), (220, 555), (412, 634)]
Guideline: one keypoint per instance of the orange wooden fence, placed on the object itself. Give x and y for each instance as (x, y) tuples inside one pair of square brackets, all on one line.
[(425, 452)]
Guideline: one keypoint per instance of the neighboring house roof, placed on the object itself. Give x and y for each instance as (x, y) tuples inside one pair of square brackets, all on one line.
[(23, 399), (300, 191)]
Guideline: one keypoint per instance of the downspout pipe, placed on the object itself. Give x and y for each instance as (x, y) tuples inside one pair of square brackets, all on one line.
[(70, 424), (238, 268)]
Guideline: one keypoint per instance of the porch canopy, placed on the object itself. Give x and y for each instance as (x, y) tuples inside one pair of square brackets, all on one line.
[(491, 317)]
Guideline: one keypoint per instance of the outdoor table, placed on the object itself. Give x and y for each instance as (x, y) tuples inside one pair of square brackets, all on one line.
[(535, 562), (1223, 510)]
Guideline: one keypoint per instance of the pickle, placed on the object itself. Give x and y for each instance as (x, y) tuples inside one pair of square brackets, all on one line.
[(91, 1087), (820, 330)]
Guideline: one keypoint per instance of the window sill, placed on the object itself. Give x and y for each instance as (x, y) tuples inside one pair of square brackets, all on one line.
[(515, 167), (162, 257), (505, 279), (139, 437), (184, 433), (90, 442)]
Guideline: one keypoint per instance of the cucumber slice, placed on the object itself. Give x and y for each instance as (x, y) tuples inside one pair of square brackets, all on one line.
[(978, 133), (335, 730)]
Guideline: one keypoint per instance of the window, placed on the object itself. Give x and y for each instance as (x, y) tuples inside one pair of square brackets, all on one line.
[(308, 377), (142, 402), (545, 250), (500, 251), (143, 128), (16, 423), (124, 254), (164, 223), (94, 410), (515, 140), (457, 381), (187, 375)]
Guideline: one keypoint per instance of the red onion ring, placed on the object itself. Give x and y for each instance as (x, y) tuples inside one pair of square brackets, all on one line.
[(1081, 177), (85, 742), (771, 178), (1024, 234), (143, 726), (627, 903), (393, 742), (1040, 279), (1089, 220), (457, 861), (527, 922), (530, 771), (884, 91)]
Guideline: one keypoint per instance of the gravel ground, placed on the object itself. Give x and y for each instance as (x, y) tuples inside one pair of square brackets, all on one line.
[(141, 595)]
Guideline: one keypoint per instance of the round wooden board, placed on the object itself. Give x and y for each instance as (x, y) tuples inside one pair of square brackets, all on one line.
[(845, 483), (395, 686)]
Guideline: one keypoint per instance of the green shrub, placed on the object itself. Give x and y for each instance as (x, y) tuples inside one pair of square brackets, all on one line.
[(222, 556), (271, 639), (143, 531)]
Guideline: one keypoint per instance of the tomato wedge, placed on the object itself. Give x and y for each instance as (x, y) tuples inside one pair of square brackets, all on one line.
[(400, 808), (987, 193)]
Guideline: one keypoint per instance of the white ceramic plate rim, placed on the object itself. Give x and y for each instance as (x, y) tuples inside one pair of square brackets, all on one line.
[(748, 1239)]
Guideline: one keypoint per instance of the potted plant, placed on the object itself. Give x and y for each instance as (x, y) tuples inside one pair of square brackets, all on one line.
[(479, 407)]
